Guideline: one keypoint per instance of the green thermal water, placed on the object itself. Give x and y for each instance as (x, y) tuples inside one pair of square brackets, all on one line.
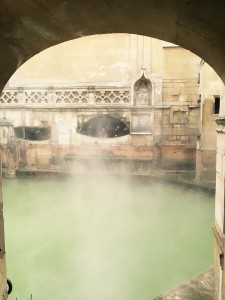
[(104, 239)]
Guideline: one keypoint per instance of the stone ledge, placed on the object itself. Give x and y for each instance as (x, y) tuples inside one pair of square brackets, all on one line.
[(220, 121)]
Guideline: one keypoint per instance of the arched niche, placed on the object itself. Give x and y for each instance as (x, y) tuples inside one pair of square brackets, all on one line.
[(143, 92)]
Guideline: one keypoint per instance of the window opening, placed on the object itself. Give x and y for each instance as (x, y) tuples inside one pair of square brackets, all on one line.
[(217, 105)]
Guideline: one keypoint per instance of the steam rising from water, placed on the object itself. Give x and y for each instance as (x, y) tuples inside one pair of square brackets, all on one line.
[(103, 238)]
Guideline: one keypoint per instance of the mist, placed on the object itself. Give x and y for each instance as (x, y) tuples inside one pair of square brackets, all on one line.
[(104, 237)]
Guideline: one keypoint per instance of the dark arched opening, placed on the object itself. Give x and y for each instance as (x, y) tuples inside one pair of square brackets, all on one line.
[(104, 126)]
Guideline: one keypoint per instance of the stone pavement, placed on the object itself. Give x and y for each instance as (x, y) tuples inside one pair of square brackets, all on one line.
[(200, 287)]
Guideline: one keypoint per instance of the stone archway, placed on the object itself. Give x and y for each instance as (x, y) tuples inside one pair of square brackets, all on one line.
[(32, 26)]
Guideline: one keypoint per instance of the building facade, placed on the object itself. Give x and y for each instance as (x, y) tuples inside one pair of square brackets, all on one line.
[(117, 103)]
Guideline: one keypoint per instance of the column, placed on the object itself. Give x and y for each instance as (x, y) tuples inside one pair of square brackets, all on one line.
[(219, 227), (3, 283)]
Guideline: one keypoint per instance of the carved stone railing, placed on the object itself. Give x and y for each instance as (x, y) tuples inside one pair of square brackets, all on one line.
[(110, 96), (115, 97)]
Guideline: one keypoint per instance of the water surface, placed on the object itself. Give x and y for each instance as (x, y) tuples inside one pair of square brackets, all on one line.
[(104, 238)]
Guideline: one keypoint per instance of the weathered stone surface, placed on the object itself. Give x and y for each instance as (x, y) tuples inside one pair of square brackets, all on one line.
[(200, 287)]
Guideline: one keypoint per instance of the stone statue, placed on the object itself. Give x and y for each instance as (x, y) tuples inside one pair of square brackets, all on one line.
[(142, 94), (142, 91)]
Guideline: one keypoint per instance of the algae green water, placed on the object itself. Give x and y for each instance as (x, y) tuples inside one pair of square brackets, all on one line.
[(104, 239)]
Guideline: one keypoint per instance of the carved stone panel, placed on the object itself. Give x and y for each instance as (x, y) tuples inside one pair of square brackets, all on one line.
[(141, 123)]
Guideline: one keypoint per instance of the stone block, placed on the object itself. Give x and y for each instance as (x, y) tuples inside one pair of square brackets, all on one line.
[(165, 112), (176, 90), (177, 142), (192, 131), (179, 131), (158, 99), (157, 114), (192, 84), (142, 139), (183, 138), (167, 131), (190, 90), (179, 84), (167, 91), (192, 126), (192, 139), (193, 120), (168, 84), (157, 131), (193, 98), (171, 138), (165, 120), (194, 111), (183, 98), (170, 98)]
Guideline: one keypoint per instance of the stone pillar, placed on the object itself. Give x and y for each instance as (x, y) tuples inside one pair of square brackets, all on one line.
[(3, 283), (91, 95), (219, 227), (51, 96), (20, 96)]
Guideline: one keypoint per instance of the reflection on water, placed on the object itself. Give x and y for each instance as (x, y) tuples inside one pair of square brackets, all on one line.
[(104, 239)]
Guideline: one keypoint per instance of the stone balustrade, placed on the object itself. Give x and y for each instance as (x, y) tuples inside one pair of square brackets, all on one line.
[(112, 96)]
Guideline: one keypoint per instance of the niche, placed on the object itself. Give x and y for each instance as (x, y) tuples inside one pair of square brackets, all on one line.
[(33, 133), (104, 126), (143, 92)]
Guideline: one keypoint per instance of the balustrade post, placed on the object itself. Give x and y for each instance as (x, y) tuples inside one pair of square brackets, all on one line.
[(21, 96)]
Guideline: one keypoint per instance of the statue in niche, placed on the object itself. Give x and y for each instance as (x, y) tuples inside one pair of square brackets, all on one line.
[(142, 91)]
